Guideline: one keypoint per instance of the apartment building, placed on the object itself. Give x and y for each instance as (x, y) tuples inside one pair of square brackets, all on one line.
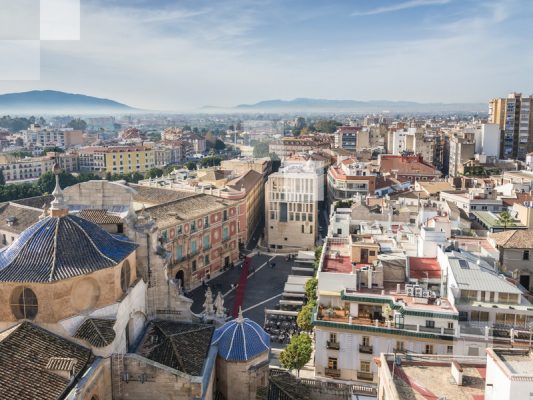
[(117, 159), (407, 168), (352, 138), (348, 178), (492, 309), (474, 199), (292, 145), (292, 199), (36, 136), (514, 117), (364, 310), (31, 168), (462, 149)]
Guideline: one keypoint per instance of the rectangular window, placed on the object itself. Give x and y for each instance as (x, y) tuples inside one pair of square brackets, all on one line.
[(428, 349), (225, 215), (430, 324), (399, 345), (525, 256), (449, 349), (366, 340), (206, 242), (179, 229), (332, 363), (193, 226), (283, 212), (225, 233), (450, 325), (194, 249), (303, 229), (333, 337), (179, 253), (193, 265), (365, 366), (206, 221), (206, 260)]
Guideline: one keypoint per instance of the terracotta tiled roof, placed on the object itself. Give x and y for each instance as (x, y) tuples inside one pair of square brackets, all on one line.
[(179, 345), (406, 165), (35, 202), (98, 332), (100, 216), (152, 195), (248, 180), (424, 267), (26, 351), (16, 218), (514, 239)]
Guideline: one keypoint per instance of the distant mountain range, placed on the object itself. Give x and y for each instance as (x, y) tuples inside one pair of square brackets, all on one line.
[(316, 105), (55, 102)]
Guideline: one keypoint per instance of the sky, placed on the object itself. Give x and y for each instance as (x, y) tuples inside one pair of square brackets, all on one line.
[(184, 54)]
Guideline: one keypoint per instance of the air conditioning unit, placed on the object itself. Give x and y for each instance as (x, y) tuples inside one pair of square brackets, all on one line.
[(418, 291), (426, 294), (409, 290)]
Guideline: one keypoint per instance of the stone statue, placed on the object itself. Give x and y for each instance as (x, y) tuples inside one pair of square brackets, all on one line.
[(219, 305), (208, 304)]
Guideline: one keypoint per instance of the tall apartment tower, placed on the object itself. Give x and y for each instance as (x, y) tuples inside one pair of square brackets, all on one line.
[(514, 117)]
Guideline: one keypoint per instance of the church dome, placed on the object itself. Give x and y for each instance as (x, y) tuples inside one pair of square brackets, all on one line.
[(57, 248), (241, 339)]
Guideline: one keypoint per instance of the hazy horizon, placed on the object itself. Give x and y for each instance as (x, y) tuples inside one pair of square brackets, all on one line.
[(181, 56)]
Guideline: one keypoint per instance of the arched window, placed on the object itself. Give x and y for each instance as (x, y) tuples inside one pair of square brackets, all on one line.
[(125, 276), (24, 303)]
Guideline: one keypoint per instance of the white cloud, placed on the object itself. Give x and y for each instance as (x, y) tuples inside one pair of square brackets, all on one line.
[(400, 6)]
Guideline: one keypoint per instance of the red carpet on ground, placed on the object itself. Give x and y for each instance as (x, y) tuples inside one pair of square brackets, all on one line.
[(239, 295)]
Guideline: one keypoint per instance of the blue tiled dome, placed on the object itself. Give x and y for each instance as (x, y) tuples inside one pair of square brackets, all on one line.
[(241, 339), (57, 248)]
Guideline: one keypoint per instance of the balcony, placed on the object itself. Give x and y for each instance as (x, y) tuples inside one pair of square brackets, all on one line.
[(366, 349), (333, 345), (365, 376), (332, 372), (399, 350)]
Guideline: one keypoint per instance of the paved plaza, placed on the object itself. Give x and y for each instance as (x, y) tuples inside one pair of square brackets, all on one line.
[(263, 289)]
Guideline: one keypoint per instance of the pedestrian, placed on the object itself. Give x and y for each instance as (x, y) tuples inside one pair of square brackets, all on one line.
[(203, 283)]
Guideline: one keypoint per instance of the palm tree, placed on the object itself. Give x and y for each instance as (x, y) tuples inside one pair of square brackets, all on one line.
[(505, 219)]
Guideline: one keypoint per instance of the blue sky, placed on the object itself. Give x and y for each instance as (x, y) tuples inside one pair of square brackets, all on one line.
[(181, 55)]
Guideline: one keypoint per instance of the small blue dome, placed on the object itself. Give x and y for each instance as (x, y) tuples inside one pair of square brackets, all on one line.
[(241, 339)]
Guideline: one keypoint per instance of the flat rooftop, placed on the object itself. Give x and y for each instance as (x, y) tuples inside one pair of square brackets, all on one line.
[(518, 362), (422, 381)]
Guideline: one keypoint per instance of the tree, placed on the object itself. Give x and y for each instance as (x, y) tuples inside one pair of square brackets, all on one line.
[(326, 125), (310, 289), (305, 315), (53, 149), (78, 124), (47, 181), (2, 178), (191, 165), (276, 162), (505, 219), (154, 173), (220, 145), (210, 161), (260, 149), (297, 353)]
